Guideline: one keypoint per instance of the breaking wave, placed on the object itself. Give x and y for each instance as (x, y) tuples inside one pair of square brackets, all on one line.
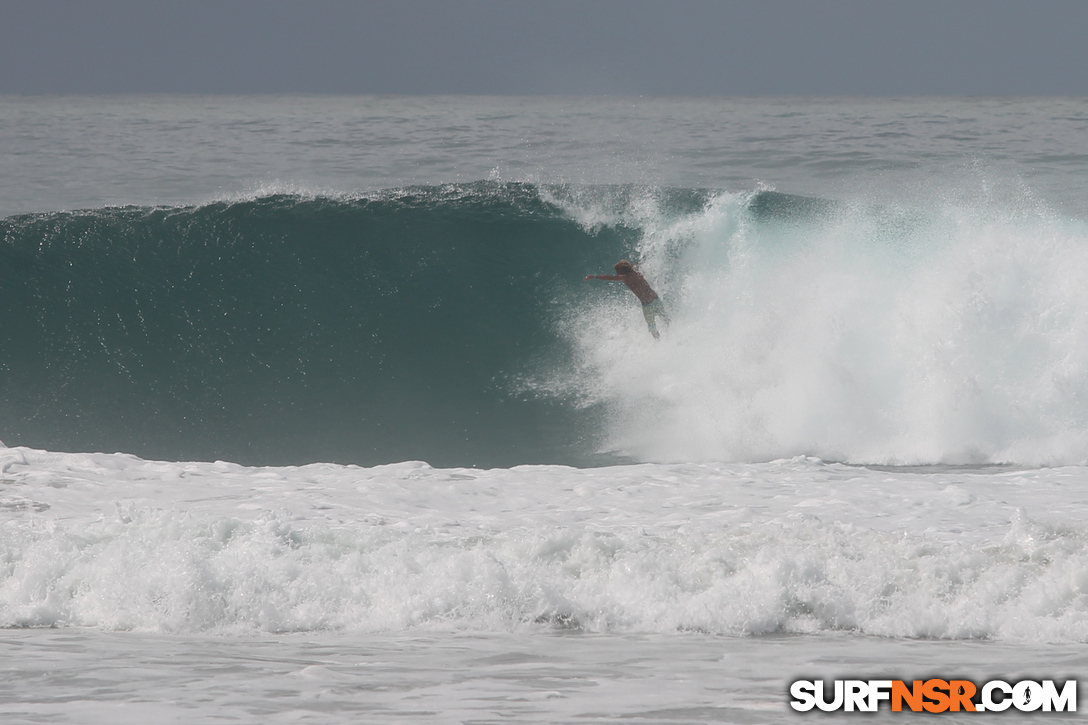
[(451, 324)]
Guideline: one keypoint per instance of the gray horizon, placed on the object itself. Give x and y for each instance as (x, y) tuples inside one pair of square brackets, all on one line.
[(562, 47)]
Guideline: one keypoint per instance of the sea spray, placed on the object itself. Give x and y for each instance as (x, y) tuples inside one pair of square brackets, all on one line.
[(851, 332)]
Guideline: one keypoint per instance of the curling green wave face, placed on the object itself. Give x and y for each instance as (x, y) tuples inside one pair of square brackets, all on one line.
[(284, 330)]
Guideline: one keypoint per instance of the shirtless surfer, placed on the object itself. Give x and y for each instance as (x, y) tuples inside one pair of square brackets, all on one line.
[(652, 307)]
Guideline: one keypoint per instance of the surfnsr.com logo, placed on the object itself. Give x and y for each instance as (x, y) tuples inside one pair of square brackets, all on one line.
[(935, 696)]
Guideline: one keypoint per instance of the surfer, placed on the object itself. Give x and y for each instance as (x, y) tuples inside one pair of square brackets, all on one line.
[(652, 307)]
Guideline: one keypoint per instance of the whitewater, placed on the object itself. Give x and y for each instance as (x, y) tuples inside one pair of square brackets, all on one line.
[(310, 416)]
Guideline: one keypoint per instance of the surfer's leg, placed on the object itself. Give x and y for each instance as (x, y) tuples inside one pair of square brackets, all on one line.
[(650, 312)]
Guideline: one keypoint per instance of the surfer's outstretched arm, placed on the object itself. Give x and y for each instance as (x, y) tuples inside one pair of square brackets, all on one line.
[(609, 277)]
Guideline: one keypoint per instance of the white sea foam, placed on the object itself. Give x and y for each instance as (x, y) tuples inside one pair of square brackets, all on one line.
[(874, 335), (115, 542)]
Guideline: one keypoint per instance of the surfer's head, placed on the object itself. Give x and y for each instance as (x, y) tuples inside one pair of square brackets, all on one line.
[(624, 267)]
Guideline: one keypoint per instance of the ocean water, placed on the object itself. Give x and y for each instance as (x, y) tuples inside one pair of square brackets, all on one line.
[(310, 416)]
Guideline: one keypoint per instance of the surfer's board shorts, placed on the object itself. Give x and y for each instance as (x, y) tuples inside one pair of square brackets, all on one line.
[(651, 311)]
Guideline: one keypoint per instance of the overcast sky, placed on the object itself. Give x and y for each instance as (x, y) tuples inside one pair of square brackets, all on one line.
[(617, 47)]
